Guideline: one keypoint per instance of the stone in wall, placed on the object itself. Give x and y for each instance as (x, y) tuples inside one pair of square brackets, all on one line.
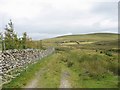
[(14, 61)]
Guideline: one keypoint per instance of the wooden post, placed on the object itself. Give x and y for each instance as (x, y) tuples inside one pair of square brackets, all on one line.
[(3, 44)]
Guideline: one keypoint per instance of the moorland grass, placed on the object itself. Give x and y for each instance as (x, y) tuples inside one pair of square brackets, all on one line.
[(93, 65), (90, 70)]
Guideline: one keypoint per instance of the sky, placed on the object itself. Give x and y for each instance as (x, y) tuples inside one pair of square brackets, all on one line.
[(43, 19)]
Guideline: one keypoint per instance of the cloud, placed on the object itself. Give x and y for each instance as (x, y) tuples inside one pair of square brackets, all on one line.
[(59, 17), (108, 9), (108, 24), (45, 35)]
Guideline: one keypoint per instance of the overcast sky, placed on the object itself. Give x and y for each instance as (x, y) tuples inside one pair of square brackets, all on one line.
[(49, 18)]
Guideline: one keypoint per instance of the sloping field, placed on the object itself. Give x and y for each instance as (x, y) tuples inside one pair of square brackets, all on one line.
[(86, 37), (87, 41)]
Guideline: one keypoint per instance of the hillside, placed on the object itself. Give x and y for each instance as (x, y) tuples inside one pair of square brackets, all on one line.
[(92, 40), (94, 36), (79, 61)]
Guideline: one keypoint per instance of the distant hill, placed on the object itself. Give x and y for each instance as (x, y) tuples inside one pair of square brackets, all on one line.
[(88, 41), (88, 34), (89, 37)]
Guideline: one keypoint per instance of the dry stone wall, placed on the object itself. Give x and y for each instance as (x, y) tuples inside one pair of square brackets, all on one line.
[(12, 62)]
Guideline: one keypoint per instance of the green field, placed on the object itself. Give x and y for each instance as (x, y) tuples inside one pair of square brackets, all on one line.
[(88, 61)]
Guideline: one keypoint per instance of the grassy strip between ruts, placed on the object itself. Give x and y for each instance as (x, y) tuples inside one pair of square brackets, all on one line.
[(51, 77), (28, 74)]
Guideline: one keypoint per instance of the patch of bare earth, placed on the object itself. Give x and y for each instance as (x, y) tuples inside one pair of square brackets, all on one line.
[(34, 82), (64, 80)]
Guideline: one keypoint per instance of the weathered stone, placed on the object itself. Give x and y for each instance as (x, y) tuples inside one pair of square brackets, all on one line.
[(13, 61)]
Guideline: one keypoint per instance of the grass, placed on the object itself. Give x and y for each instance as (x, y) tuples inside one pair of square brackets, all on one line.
[(89, 71), (85, 37), (108, 82), (92, 62), (51, 78)]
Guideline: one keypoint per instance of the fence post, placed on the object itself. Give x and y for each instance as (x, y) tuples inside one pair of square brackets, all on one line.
[(2, 42)]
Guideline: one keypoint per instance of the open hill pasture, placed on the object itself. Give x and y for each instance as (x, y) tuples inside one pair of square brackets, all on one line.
[(79, 61)]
